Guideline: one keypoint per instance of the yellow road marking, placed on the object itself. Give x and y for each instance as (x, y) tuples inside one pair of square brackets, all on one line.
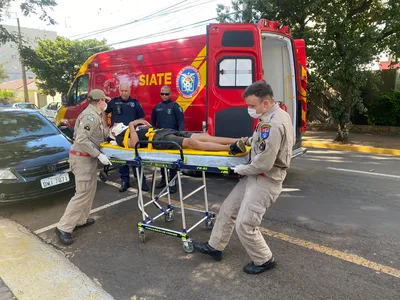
[(352, 258), (355, 259), (356, 148)]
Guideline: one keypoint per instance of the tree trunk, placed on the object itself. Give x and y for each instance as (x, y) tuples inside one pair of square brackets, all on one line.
[(343, 128)]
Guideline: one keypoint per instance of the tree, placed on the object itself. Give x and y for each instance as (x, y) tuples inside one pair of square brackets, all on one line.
[(343, 37), (56, 63), (27, 7), (3, 75)]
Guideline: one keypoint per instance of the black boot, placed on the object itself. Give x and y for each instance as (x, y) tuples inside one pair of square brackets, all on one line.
[(207, 249), (64, 237), (161, 184), (251, 268), (124, 187), (89, 221), (145, 188), (173, 189), (238, 147)]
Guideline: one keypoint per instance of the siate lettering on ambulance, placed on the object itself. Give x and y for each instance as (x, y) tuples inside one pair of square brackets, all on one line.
[(155, 79)]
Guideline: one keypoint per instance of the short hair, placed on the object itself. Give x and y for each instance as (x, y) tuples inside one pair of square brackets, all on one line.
[(124, 84), (92, 101), (260, 89), (166, 87)]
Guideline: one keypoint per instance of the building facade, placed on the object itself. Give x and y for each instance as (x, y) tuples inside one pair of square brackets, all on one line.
[(9, 55)]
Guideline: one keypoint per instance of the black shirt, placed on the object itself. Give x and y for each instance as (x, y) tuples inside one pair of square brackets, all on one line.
[(141, 136), (168, 114), (124, 111)]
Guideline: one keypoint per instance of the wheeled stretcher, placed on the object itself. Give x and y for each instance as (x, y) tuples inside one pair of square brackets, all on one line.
[(189, 160)]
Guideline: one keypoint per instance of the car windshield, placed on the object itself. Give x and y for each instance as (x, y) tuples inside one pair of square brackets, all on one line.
[(27, 105), (15, 125)]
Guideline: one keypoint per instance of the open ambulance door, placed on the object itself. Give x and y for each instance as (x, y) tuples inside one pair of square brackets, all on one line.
[(233, 63), (302, 86)]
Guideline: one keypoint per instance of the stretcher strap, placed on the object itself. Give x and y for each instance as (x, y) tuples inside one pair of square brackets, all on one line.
[(150, 135), (126, 138)]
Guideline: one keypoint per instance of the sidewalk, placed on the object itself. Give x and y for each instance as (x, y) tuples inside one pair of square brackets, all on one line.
[(32, 269), (359, 142)]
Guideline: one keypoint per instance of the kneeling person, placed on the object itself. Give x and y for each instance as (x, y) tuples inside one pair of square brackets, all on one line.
[(187, 140)]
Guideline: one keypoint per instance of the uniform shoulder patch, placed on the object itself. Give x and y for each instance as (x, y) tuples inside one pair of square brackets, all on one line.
[(264, 131), (90, 118)]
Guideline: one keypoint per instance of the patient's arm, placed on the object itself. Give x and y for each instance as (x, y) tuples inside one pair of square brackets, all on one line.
[(141, 121), (133, 137)]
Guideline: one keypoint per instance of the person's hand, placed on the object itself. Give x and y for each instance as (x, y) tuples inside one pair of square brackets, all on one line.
[(238, 169), (104, 159)]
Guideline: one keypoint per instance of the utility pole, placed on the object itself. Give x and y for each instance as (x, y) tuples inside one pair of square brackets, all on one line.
[(26, 95)]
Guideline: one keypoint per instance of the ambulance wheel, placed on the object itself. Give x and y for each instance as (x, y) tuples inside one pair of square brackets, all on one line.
[(103, 176), (142, 237), (188, 246), (209, 224), (169, 216)]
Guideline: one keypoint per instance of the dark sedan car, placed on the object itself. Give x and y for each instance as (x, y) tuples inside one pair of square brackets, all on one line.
[(33, 156)]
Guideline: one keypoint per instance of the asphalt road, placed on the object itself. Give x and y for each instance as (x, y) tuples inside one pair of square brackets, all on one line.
[(336, 231)]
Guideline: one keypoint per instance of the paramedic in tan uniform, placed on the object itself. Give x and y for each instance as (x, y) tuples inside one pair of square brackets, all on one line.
[(89, 133), (261, 184)]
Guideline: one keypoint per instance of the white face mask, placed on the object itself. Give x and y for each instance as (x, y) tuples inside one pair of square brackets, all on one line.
[(105, 107), (253, 113)]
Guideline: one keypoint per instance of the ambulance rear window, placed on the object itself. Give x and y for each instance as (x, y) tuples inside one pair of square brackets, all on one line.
[(238, 38)]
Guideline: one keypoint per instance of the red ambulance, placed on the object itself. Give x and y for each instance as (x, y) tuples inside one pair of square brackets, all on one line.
[(207, 75)]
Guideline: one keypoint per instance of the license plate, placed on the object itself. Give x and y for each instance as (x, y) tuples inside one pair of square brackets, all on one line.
[(54, 180)]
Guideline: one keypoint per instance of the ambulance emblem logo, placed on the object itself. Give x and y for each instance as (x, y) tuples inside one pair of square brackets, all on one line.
[(188, 82)]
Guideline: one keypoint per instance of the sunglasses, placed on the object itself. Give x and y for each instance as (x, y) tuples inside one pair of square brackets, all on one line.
[(164, 94)]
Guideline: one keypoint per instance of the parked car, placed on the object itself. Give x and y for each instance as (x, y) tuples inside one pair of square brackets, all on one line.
[(33, 156), (50, 110), (25, 105)]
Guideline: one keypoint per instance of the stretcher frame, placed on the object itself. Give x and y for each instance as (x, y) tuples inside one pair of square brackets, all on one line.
[(168, 212)]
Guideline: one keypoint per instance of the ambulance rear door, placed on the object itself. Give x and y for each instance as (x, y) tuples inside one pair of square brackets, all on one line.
[(233, 52)]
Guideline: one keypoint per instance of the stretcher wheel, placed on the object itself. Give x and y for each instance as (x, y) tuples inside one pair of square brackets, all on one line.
[(169, 216), (209, 224), (103, 176), (142, 237), (188, 246)]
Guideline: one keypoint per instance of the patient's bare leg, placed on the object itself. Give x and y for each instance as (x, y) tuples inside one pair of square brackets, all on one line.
[(205, 137), (206, 146)]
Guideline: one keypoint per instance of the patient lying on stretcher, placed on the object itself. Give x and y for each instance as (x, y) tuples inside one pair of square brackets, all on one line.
[(141, 130)]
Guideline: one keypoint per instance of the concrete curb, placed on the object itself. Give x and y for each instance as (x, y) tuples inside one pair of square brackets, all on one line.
[(355, 148), (33, 269), (5, 292)]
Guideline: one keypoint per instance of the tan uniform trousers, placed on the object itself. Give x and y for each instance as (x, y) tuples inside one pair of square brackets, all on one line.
[(78, 208), (246, 204)]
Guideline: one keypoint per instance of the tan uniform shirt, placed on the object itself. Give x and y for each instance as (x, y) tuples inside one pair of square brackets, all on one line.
[(89, 132), (271, 146)]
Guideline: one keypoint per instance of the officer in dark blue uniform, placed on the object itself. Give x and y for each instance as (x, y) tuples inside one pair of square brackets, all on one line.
[(124, 109), (167, 114)]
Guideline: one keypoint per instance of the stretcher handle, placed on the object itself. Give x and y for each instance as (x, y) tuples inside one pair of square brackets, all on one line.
[(159, 143)]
